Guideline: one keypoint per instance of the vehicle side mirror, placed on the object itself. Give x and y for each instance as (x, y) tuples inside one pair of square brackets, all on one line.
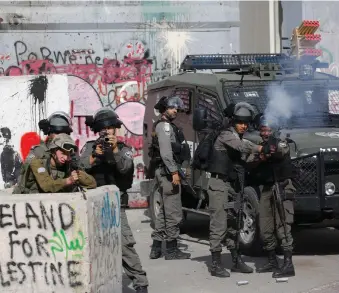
[(199, 119)]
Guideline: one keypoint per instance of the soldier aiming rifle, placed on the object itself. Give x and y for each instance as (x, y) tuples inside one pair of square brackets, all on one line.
[(272, 171)]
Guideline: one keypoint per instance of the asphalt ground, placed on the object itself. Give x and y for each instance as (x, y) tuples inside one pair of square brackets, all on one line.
[(316, 260)]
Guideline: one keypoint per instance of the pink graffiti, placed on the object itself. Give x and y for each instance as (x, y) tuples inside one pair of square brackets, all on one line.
[(132, 114), (112, 70)]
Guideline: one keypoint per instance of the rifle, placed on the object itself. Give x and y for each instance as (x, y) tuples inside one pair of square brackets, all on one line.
[(74, 166), (103, 141), (183, 178), (241, 178), (277, 202)]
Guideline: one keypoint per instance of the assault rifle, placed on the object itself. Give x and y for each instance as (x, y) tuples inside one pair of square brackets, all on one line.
[(74, 166), (103, 141), (183, 177), (277, 191), (239, 202)]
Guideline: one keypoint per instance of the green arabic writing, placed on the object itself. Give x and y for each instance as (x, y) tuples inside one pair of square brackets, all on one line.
[(61, 244)]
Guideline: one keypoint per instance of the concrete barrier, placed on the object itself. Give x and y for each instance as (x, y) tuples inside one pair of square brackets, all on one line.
[(61, 242)]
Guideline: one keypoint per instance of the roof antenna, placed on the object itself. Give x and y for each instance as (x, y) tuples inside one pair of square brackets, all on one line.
[(242, 80)]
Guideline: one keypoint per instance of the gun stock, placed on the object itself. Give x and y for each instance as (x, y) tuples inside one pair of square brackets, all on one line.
[(278, 203)]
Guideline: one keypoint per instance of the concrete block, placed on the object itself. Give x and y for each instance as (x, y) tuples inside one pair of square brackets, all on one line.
[(61, 242)]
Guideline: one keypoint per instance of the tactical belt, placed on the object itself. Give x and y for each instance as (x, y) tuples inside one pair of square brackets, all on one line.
[(219, 176)]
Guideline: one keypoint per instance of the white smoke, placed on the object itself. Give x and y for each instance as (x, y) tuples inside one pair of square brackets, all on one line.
[(281, 106)]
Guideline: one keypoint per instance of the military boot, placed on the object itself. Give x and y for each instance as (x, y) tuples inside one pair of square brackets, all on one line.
[(173, 252), (272, 265), (216, 269), (155, 250), (141, 290), (238, 264), (287, 269)]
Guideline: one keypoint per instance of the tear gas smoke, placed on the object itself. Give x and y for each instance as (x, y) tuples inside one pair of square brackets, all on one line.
[(281, 106)]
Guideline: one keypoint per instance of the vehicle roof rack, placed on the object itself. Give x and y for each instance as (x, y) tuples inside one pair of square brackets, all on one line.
[(231, 61)]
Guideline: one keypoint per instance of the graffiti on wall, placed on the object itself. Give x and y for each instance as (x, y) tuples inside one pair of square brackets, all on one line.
[(104, 244), (115, 77), (26, 100), (94, 82), (36, 237)]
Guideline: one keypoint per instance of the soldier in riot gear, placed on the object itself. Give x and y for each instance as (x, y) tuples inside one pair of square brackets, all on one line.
[(111, 163), (226, 156), (171, 153), (275, 167), (58, 122)]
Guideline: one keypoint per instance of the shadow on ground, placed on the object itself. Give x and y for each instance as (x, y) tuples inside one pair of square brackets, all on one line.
[(307, 241)]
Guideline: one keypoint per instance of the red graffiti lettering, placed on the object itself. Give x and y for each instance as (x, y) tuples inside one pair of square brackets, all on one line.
[(135, 142), (102, 88), (28, 140), (112, 71)]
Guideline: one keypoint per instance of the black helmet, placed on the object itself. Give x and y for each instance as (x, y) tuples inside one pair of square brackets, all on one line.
[(104, 117), (169, 102), (57, 122), (243, 112), (260, 121)]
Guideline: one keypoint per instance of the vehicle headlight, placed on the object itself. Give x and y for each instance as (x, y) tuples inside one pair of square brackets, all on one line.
[(329, 188)]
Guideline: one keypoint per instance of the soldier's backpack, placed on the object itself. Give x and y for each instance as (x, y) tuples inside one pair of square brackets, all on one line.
[(204, 150)]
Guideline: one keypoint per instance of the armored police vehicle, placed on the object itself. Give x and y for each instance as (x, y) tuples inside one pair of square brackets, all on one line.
[(306, 99)]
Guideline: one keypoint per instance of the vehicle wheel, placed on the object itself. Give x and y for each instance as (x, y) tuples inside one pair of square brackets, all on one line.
[(250, 242), (154, 205)]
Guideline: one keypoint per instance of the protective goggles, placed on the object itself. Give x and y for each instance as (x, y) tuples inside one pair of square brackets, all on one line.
[(68, 147)]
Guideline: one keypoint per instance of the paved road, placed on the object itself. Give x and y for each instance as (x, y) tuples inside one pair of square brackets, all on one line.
[(316, 262)]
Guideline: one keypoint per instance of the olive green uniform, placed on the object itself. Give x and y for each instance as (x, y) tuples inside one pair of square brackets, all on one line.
[(220, 190), (270, 223), (271, 226), (41, 177), (170, 213)]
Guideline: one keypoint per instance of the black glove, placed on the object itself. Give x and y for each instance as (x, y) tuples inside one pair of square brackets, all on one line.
[(270, 146), (266, 149)]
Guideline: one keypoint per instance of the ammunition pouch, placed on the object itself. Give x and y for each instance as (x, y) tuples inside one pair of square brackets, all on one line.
[(176, 148)]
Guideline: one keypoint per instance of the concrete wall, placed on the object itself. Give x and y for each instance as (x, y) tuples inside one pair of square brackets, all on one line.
[(259, 26), (88, 42), (61, 242), (24, 101)]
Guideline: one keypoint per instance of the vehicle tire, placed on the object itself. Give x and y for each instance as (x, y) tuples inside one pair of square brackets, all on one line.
[(250, 243), (154, 203)]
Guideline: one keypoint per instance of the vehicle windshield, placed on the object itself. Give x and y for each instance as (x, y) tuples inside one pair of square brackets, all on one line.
[(292, 104)]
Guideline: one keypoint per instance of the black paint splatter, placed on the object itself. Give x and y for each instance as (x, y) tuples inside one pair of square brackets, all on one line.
[(37, 90)]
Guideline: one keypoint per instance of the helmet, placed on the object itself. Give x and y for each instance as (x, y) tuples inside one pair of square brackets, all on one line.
[(243, 112), (63, 141), (262, 122), (57, 122), (169, 102), (102, 118)]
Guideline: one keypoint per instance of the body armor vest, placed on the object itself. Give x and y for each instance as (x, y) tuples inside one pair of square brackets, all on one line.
[(107, 174), (223, 162), (281, 166), (180, 149)]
